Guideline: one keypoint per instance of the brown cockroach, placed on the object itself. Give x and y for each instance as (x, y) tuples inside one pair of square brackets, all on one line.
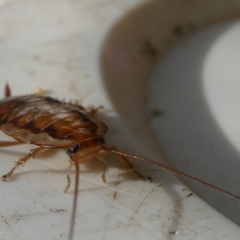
[(52, 124)]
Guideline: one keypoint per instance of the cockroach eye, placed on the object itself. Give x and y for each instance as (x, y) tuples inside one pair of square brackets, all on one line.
[(73, 149), (102, 140)]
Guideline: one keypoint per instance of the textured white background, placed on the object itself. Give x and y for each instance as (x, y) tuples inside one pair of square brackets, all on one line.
[(56, 45)]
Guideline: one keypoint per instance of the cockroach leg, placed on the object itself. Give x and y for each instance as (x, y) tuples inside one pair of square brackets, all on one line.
[(105, 165), (128, 165), (103, 173), (21, 161), (68, 184), (68, 176), (94, 111), (125, 162), (9, 143)]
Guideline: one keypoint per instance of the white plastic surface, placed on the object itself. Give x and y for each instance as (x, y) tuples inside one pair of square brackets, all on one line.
[(195, 91), (58, 46)]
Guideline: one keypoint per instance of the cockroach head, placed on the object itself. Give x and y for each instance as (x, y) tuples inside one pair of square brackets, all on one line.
[(86, 149)]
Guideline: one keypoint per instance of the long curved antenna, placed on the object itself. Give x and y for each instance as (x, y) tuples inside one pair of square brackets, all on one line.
[(73, 216), (173, 170)]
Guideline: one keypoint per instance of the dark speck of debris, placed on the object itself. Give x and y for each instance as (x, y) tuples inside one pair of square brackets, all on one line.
[(149, 51), (189, 195), (156, 113), (57, 210), (178, 30), (182, 30), (149, 179)]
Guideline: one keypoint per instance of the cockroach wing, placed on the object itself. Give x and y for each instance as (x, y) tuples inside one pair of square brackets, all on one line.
[(47, 122)]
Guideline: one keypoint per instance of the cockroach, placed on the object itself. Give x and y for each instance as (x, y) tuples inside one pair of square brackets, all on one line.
[(52, 124)]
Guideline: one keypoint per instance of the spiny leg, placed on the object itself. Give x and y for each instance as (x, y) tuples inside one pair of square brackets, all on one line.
[(68, 177), (9, 143), (126, 163), (104, 172), (73, 163), (68, 184), (21, 161), (100, 157), (104, 168), (94, 110)]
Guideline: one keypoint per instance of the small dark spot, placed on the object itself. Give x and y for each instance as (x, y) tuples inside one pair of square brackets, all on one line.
[(149, 51), (102, 140), (189, 195), (91, 127), (57, 210), (156, 113), (178, 31), (149, 179), (85, 119), (51, 131)]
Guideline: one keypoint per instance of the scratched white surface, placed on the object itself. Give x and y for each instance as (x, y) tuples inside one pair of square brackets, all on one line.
[(56, 45)]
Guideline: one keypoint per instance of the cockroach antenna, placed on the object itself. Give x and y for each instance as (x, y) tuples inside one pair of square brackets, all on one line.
[(175, 171)]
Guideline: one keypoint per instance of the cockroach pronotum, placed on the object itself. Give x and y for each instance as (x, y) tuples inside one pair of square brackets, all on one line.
[(51, 124)]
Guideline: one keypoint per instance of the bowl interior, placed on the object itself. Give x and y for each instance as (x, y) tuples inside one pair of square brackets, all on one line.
[(175, 103)]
